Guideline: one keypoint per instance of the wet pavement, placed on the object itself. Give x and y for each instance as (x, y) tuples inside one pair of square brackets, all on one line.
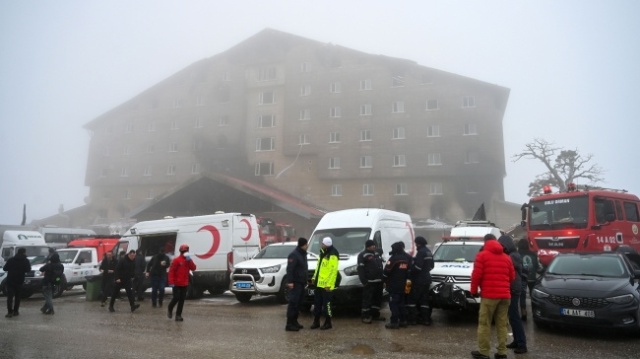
[(220, 327)]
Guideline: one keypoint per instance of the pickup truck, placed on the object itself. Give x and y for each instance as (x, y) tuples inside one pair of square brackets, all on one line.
[(78, 263)]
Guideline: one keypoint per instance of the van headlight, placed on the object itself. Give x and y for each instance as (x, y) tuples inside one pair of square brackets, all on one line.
[(621, 299), (272, 269), (352, 270)]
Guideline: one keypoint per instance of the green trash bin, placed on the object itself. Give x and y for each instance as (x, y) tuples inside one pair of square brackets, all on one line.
[(94, 287)]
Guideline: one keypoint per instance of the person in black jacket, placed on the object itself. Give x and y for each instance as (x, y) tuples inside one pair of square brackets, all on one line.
[(141, 265), (157, 270), (16, 268), (53, 271), (418, 307), (125, 270), (396, 273), (370, 267), (296, 281), (519, 344), (108, 270)]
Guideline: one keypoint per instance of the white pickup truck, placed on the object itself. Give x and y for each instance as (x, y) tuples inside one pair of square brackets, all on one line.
[(78, 263)]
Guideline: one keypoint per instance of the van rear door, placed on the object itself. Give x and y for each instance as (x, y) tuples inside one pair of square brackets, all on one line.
[(245, 237)]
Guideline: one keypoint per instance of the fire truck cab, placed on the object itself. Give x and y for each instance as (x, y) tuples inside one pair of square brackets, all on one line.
[(581, 220)]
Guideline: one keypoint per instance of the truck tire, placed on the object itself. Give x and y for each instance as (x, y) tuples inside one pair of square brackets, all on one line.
[(243, 297), (283, 293)]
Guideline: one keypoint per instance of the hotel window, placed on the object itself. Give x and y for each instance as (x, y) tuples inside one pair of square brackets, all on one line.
[(367, 189), (399, 161), (151, 148), (126, 150), (334, 137), (173, 147), (174, 125), (401, 189), (433, 131), (435, 188), (365, 135), (468, 101), (171, 170), (264, 169), (124, 172), (303, 139), (365, 110), (397, 107), (199, 101), (397, 81), (195, 168), (365, 85), (398, 133), (434, 159), (151, 126), (265, 144), (267, 98), (470, 129), (305, 115), (336, 190), (305, 90), (147, 171), (334, 163), (128, 128), (335, 112), (127, 194), (432, 105), (150, 194), (266, 121), (199, 123), (335, 87), (471, 157), (366, 161), (223, 120), (304, 67), (266, 73)]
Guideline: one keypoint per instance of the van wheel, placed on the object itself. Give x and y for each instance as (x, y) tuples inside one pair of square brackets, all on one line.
[(283, 293), (216, 291), (194, 292), (243, 297)]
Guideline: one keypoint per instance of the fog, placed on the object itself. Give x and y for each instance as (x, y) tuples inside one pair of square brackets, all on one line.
[(572, 68)]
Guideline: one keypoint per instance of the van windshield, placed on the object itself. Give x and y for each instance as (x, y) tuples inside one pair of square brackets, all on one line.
[(36, 254), (67, 256), (345, 240)]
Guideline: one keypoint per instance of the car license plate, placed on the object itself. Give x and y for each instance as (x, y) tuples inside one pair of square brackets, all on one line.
[(244, 285), (578, 313)]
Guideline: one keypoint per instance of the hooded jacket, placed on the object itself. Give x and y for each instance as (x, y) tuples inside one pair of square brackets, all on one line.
[(510, 249), (50, 269), (493, 272)]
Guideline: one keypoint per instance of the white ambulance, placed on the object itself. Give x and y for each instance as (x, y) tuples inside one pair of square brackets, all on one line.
[(215, 243)]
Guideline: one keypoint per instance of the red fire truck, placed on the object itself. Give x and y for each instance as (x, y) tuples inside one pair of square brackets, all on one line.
[(274, 232), (581, 220)]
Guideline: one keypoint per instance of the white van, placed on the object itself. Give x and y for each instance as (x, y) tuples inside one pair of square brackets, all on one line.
[(349, 229), (59, 237), (32, 241), (215, 243)]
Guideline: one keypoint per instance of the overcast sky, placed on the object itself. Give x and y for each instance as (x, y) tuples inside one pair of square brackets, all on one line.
[(573, 68)]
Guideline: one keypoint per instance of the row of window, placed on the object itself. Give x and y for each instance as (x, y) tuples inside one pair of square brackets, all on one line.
[(147, 171), (433, 159)]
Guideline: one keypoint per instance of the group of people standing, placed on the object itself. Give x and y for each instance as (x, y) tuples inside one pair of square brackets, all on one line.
[(400, 273)]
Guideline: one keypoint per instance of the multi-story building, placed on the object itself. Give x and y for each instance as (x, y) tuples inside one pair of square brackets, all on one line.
[(329, 126)]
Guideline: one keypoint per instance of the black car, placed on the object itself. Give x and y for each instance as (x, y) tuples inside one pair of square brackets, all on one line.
[(589, 290)]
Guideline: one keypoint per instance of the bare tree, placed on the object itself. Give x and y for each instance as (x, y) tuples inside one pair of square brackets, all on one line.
[(563, 166)]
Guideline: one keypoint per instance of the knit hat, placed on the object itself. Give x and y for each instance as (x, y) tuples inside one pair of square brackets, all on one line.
[(327, 241), (369, 243)]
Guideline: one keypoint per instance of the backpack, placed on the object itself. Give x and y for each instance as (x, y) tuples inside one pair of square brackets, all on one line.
[(58, 272)]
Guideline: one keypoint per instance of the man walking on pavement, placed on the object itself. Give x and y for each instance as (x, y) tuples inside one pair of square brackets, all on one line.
[(53, 272), (108, 270), (418, 306), (179, 280), (297, 279), (370, 269), (157, 270), (16, 267), (125, 270), (492, 273), (324, 278), (396, 273)]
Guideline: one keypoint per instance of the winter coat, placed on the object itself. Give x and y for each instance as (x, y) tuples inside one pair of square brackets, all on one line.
[(493, 272), (16, 268), (156, 268), (396, 270), (50, 269), (510, 249), (106, 265), (370, 267), (326, 272), (179, 271), (421, 267), (125, 270), (297, 268)]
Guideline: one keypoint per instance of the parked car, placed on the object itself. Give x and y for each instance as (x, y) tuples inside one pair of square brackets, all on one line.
[(264, 274), (589, 290)]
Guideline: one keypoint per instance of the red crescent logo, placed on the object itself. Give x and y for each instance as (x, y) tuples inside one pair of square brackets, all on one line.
[(216, 241), (413, 243), (249, 228)]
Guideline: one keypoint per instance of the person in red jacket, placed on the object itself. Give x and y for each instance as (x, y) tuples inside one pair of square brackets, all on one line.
[(179, 280), (492, 273)]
